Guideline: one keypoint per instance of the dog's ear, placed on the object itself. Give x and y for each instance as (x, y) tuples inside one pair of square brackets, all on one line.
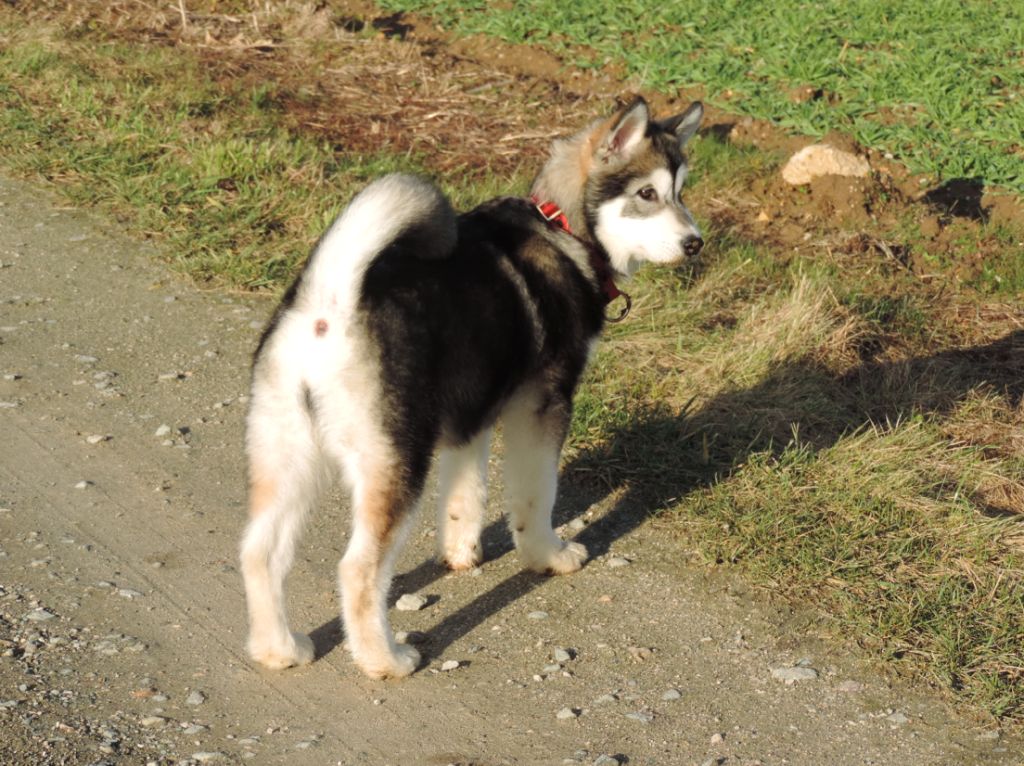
[(629, 130), (685, 124)]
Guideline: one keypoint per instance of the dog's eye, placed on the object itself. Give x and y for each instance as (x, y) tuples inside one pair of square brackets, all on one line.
[(647, 194)]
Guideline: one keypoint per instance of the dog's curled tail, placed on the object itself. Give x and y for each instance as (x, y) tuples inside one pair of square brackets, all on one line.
[(398, 212)]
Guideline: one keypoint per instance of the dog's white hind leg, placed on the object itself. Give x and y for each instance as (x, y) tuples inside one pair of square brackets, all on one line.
[(284, 481), (382, 509), (534, 432), (462, 490)]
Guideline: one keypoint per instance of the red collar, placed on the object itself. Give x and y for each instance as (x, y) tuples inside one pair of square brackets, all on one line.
[(554, 216)]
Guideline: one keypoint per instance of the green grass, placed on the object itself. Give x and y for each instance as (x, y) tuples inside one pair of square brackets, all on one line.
[(885, 529), (939, 83), (145, 133), (886, 493)]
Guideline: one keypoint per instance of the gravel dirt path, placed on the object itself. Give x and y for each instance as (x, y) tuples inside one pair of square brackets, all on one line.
[(122, 395)]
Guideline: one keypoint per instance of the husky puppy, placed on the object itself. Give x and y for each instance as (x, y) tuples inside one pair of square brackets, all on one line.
[(412, 330)]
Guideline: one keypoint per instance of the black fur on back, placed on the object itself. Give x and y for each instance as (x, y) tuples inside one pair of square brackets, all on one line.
[(455, 338)]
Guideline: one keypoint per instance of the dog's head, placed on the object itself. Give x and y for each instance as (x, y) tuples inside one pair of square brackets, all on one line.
[(621, 180), (633, 193)]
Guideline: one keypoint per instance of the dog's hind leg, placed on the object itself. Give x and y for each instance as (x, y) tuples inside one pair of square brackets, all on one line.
[(284, 481), (534, 428), (383, 498), (462, 490)]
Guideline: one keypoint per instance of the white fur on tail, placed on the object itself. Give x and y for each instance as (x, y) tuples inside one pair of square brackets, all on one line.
[(372, 221)]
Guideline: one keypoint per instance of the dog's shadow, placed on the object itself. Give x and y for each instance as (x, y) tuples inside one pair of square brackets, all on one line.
[(664, 456)]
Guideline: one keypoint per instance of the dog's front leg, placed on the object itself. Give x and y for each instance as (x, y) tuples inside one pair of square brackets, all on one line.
[(534, 428)]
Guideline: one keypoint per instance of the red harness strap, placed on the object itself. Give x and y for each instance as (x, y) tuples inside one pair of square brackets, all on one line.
[(554, 216)]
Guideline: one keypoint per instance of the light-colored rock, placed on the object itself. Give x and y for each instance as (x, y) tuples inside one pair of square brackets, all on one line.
[(410, 637), (195, 698), (823, 160), (792, 675), (208, 757), (411, 602), (566, 714), (641, 716), (449, 665)]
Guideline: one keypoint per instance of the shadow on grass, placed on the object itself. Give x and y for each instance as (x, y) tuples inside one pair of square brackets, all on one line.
[(663, 456), (959, 197)]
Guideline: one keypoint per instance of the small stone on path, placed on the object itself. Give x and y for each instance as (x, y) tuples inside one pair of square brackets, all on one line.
[(793, 675), (410, 637), (207, 757), (449, 665), (643, 716), (562, 655), (618, 561), (40, 615), (671, 694), (640, 653), (566, 714), (411, 602), (195, 698), (538, 615)]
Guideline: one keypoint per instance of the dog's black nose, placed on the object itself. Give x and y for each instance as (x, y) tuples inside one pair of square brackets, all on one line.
[(692, 245)]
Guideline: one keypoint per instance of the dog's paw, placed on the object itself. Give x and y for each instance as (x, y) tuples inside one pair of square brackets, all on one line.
[(399, 664), (298, 650), (566, 558), (463, 556)]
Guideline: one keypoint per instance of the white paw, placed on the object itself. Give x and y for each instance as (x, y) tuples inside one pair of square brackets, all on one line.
[(464, 555), (401, 663), (561, 559), (298, 650)]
